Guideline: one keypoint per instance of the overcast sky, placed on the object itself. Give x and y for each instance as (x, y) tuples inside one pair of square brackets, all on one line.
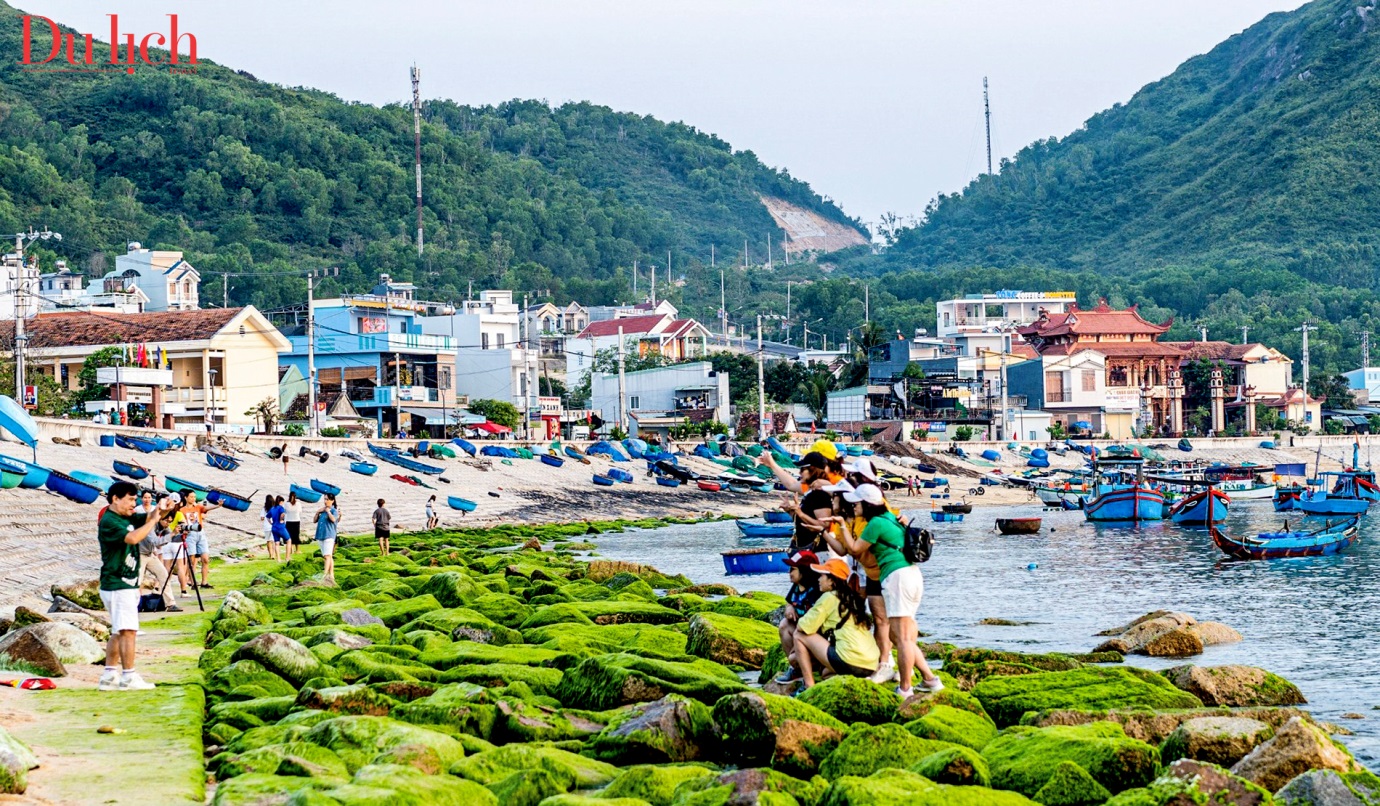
[(876, 103)]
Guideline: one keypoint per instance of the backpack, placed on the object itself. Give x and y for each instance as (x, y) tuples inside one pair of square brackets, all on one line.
[(918, 545)]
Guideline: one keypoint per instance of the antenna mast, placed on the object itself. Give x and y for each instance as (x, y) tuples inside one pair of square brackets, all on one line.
[(987, 112), (417, 144)]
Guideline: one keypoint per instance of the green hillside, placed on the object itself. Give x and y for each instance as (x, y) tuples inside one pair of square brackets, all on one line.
[(251, 177)]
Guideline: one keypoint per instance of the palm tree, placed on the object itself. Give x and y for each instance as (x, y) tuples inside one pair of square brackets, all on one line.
[(814, 391)]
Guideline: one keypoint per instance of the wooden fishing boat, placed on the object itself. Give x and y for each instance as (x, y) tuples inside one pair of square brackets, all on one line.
[(777, 516), (667, 481), (574, 454), (940, 516), (323, 487), (229, 500), (364, 468), (755, 561), (12, 473), (1335, 536), (1287, 497), (739, 488), (554, 461), (305, 494), (1120, 492), (222, 461), (964, 508), (603, 481), (136, 443), (175, 485), (751, 529), (131, 470), (100, 481), (1200, 508), (1324, 504), (462, 504), (465, 445), (618, 474), (1018, 526), (70, 488), (35, 477), (709, 486), (394, 456)]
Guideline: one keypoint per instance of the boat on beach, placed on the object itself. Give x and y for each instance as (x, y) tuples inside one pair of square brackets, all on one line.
[(229, 500), (305, 493), (603, 481), (554, 461), (131, 470), (323, 487), (461, 504), (667, 481), (175, 485), (135, 443), (35, 476), (222, 461), (755, 561), (1333, 537), (71, 488), (12, 473), (709, 486), (364, 468)]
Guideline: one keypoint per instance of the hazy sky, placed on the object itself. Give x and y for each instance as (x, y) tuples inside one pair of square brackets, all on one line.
[(876, 103)]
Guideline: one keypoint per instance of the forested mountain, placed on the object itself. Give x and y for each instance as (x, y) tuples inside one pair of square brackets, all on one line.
[(250, 177)]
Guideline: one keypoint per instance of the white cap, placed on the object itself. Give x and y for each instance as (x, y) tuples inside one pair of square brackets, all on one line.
[(862, 467), (867, 493), (842, 486)]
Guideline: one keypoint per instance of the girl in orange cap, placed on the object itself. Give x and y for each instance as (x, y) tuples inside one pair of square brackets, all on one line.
[(837, 632)]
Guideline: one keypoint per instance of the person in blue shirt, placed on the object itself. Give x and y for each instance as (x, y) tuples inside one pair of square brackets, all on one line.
[(327, 525)]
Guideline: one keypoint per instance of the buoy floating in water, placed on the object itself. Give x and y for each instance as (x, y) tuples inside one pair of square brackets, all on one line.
[(1032, 566)]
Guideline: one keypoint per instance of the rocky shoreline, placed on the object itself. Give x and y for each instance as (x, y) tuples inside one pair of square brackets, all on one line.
[(507, 666)]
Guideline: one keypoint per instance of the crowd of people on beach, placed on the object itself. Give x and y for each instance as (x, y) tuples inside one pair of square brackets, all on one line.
[(854, 589)]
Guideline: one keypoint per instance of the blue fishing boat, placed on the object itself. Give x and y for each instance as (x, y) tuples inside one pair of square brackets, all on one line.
[(1120, 492), (222, 461), (618, 474), (160, 444), (940, 516), (14, 419), (603, 481), (777, 516), (177, 444), (462, 504), (305, 494), (364, 468), (394, 456), (1331, 539), (100, 481), (12, 473), (135, 443), (465, 445), (1322, 504), (576, 455), (175, 485), (751, 529), (1287, 493), (1201, 508), (554, 461), (755, 561), (667, 481), (35, 476), (229, 500), (130, 469), (70, 488), (323, 487)]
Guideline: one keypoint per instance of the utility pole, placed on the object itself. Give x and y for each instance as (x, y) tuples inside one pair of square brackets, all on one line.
[(652, 268), (711, 256), (311, 355), (21, 304), (1003, 430), (746, 260), (417, 145), (788, 311), (1365, 349), (668, 268), (622, 397), (867, 304), (762, 429), (225, 290), (1245, 330), (786, 247), (635, 280), (1304, 328), (768, 251), (723, 307), (987, 113), (530, 370)]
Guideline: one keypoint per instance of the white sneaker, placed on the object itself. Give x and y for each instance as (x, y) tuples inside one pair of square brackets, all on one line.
[(905, 693), (133, 682), (110, 681), (883, 674), (933, 688)]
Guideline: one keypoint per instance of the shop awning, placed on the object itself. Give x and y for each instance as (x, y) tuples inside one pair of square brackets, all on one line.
[(493, 428)]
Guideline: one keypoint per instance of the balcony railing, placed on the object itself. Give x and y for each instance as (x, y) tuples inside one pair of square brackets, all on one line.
[(396, 395), (1059, 397)]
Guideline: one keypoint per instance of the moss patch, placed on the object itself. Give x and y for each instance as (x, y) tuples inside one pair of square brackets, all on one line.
[(1006, 699)]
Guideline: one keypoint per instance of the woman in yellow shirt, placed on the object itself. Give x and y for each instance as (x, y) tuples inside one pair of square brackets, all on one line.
[(836, 632)]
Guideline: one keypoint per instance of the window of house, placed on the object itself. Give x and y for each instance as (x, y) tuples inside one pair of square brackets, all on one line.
[(1116, 376), (500, 341), (483, 341), (633, 403), (1089, 380)]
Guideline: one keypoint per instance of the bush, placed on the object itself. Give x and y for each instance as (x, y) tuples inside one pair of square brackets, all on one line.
[(963, 433), (294, 430), (333, 431)]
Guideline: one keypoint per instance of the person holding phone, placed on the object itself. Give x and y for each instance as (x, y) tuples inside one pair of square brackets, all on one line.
[(327, 525)]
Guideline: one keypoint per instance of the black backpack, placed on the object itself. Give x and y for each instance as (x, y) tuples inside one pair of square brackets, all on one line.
[(918, 545)]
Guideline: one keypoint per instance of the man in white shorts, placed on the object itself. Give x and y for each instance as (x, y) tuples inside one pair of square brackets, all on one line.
[(120, 532)]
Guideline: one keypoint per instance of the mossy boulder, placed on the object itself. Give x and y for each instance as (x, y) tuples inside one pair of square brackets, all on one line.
[(399, 785), (948, 724), (468, 652), (529, 787), (283, 656), (747, 606), (359, 740), (685, 602), (587, 639), (869, 748), (502, 608), (655, 784), (1235, 686), (673, 728), (921, 702), (1193, 782), (1023, 759), (760, 729), (328, 613), (1298, 746), (569, 799), (246, 714), (386, 588), (492, 766), (563, 613), (298, 759), (370, 666), (1156, 726), (1329, 787), (243, 674), (452, 588), (958, 766), (539, 678), (730, 640), (1071, 785), (526, 720), (969, 666), (762, 786), (356, 699), (853, 699), (604, 570), (463, 623), (261, 789), (619, 611), (455, 708), (608, 681), (396, 614), (1222, 740), (16, 759), (891, 786), (234, 605), (1006, 699)]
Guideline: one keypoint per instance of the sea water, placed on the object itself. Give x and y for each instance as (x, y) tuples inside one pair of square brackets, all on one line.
[(1315, 621)]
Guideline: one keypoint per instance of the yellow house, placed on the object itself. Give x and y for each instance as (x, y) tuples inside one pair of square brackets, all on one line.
[(184, 369)]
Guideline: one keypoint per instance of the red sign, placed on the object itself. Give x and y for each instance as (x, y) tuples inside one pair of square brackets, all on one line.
[(373, 324), (31, 397)]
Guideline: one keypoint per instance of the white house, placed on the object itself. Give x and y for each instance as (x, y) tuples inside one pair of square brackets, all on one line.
[(491, 361), (63, 290), (169, 282), (976, 313), (677, 339), (666, 396)]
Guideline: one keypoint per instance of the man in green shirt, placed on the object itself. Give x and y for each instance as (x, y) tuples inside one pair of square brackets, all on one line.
[(119, 533)]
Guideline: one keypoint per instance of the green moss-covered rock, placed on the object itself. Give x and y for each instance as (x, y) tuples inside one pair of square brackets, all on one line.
[(761, 729), (1023, 759), (452, 588), (492, 766), (386, 588), (765, 787), (1222, 740), (16, 759), (358, 740), (502, 608), (244, 673), (455, 708), (406, 786), (748, 606), (1235, 686), (1006, 699), (730, 640), (563, 613), (921, 702), (258, 789), (467, 652), (1071, 785), (356, 699), (673, 728), (539, 678), (396, 614), (246, 714), (890, 786), (873, 747), (524, 719), (298, 759), (1193, 782), (234, 605), (464, 624), (773, 665), (283, 656), (957, 766), (328, 613), (853, 699), (602, 613), (568, 799), (949, 724), (608, 681), (369, 666), (588, 640), (686, 603), (654, 784), (529, 787)]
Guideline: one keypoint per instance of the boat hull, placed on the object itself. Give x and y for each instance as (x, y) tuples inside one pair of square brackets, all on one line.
[(554, 461), (1018, 526), (749, 561), (1200, 509), (604, 481), (1328, 541), (222, 462), (946, 517), (1125, 504), (1324, 505), (750, 529), (1287, 499), (462, 504), (306, 494), (129, 470), (665, 481), (70, 488), (776, 516), (175, 485), (228, 500), (323, 487), (709, 486), (620, 475), (364, 468), (135, 443)]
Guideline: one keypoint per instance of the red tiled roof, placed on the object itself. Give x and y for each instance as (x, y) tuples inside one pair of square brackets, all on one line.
[(680, 327), (1024, 351), (1100, 320), (630, 325), (82, 329)]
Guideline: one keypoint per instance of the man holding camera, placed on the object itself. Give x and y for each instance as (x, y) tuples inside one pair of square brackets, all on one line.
[(120, 531)]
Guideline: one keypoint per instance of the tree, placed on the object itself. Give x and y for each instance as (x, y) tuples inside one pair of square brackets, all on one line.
[(87, 387), (741, 369), (551, 387), (266, 412), (1335, 390), (783, 378), (497, 411), (814, 391)]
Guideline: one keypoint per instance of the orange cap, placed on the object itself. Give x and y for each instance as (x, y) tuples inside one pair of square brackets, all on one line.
[(834, 568)]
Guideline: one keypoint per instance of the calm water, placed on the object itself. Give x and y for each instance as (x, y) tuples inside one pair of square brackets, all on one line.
[(1314, 621)]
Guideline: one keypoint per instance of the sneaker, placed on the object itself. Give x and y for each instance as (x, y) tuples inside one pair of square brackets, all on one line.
[(933, 688), (174, 609), (791, 675), (133, 682), (207, 585), (110, 681), (905, 693), (883, 674)]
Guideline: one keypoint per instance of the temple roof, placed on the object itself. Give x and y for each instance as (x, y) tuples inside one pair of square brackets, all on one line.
[(1101, 320)]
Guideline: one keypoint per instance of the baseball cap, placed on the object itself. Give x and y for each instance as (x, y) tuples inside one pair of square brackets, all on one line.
[(842, 486), (802, 558), (834, 567), (866, 493), (862, 467), (813, 459), (825, 448)]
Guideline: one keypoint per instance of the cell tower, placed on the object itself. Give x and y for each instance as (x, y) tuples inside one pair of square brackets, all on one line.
[(987, 113), (417, 144)]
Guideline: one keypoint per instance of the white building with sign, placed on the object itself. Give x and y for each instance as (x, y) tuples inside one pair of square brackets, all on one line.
[(977, 313)]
